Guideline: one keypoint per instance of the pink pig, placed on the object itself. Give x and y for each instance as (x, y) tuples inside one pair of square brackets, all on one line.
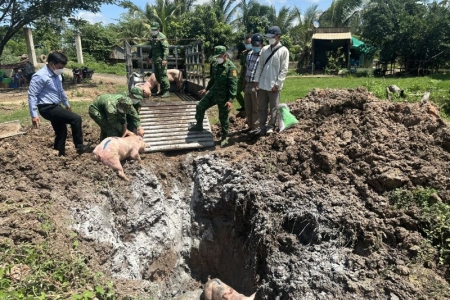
[(112, 150), (174, 75), (215, 289)]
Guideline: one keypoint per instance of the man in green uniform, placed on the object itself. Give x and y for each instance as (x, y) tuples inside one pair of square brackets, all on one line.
[(243, 63), (158, 56), (116, 115), (221, 90)]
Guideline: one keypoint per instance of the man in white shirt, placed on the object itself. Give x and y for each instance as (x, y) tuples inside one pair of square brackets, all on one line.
[(269, 78)]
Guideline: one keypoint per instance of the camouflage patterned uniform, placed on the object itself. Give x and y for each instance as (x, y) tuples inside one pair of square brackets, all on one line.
[(158, 53), (106, 112), (221, 89), (240, 84)]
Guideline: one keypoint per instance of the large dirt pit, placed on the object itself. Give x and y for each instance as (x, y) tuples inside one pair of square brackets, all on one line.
[(301, 214)]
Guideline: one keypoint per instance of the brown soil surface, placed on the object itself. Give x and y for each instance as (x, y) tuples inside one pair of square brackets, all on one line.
[(301, 214)]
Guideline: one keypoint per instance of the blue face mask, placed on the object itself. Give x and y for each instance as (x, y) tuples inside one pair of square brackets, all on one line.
[(248, 46), (256, 49)]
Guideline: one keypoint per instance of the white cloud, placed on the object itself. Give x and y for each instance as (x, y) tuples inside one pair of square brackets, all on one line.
[(200, 2), (92, 17)]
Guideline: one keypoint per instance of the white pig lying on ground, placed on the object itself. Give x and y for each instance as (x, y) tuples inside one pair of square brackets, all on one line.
[(215, 289), (112, 150), (174, 75)]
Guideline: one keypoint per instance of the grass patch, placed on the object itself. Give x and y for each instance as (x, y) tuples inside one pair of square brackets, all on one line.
[(434, 216), (439, 86), (21, 113), (44, 271)]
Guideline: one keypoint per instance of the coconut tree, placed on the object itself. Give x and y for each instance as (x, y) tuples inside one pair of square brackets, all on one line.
[(225, 10), (343, 13), (286, 17)]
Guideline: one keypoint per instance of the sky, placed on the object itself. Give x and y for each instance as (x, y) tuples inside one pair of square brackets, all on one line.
[(110, 13)]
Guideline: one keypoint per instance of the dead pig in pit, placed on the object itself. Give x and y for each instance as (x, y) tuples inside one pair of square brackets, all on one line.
[(215, 289)]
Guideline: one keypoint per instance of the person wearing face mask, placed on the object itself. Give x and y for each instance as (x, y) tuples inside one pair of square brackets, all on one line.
[(221, 90), (158, 57), (45, 95), (250, 94), (241, 80), (269, 78), (116, 114)]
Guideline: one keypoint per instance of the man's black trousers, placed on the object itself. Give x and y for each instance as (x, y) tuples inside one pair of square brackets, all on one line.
[(59, 117)]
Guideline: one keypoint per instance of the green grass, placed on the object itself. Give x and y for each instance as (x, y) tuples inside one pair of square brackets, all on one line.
[(23, 115), (439, 86), (299, 86)]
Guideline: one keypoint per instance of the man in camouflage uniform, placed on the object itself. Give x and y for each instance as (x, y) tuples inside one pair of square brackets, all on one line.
[(116, 115), (158, 56), (243, 64), (221, 90)]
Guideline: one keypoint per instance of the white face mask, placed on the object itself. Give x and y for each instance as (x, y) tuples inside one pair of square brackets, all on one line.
[(58, 71), (155, 32), (219, 60), (272, 41)]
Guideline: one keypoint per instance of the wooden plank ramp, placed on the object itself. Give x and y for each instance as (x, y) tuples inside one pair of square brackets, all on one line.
[(166, 126)]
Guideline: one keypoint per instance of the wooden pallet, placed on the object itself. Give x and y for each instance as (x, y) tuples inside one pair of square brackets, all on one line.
[(166, 126)]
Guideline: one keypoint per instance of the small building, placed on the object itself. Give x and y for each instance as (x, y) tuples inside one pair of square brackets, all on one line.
[(325, 43)]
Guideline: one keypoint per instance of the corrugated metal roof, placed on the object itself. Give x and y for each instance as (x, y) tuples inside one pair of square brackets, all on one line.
[(332, 36)]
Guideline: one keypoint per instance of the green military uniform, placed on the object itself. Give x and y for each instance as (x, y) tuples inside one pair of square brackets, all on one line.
[(111, 112), (240, 84), (158, 53), (221, 89)]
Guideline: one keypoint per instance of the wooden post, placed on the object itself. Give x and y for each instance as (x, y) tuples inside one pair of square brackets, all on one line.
[(79, 49), (30, 46)]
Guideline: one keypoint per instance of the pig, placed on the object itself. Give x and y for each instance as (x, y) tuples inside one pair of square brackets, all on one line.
[(215, 289), (174, 75), (112, 150)]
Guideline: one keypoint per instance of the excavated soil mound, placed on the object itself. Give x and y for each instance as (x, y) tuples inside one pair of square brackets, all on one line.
[(301, 214)]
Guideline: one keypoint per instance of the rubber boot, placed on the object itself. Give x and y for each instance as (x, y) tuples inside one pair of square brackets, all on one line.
[(165, 95), (196, 127), (224, 142)]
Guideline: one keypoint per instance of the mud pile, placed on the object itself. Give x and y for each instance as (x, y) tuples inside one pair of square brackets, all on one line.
[(302, 214)]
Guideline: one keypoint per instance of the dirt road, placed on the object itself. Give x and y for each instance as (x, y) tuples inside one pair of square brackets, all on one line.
[(86, 91)]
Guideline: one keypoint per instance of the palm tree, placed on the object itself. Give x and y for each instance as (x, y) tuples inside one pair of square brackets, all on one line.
[(301, 35), (243, 9), (285, 18), (224, 9), (343, 13)]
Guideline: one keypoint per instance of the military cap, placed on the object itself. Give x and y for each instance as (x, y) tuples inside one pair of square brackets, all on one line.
[(219, 50), (273, 31), (154, 26), (137, 92), (124, 105)]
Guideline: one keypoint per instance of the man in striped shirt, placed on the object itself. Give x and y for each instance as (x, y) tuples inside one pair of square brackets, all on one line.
[(250, 95)]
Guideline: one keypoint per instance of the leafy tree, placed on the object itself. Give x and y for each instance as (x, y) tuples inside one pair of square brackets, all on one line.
[(98, 39), (203, 24), (16, 14), (416, 33)]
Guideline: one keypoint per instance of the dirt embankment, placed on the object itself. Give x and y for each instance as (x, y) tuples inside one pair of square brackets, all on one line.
[(303, 214)]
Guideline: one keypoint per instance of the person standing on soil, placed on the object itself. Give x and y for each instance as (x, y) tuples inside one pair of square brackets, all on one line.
[(221, 90), (243, 64), (116, 115), (46, 94), (269, 78), (158, 56), (250, 95)]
